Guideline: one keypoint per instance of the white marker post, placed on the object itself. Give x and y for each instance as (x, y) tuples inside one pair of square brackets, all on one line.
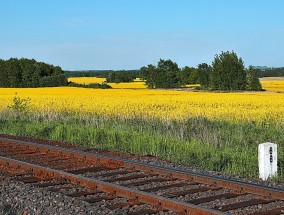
[(267, 160)]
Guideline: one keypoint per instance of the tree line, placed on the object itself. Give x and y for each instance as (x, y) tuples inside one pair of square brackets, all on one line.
[(24, 72), (227, 73), (91, 85), (273, 72), (122, 76), (110, 75)]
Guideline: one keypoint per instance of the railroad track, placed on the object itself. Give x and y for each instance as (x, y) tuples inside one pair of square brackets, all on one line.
[(126, 183)]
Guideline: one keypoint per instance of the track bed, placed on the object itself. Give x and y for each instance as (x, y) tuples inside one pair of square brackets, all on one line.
[(130, 187)]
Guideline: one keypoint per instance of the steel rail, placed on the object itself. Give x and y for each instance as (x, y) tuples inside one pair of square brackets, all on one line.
[(214, 181), (117, 190)]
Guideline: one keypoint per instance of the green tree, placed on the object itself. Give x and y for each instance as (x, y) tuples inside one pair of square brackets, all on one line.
[(14, 73), (29, 73), (188, 75), (167, 74), (3, 74), (253, 83), (149, 74), (193, 78), (184, 75), (204, 70), (120, 76), (57, 70), (27, 68), (164, 75), (228, 72)]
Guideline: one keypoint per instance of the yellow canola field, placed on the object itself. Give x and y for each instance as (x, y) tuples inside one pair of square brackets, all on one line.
[(276, 85), (87, 80), (162, 104), (137, 84), (129, 85)]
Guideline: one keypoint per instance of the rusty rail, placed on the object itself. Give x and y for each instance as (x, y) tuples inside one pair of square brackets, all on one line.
[(140, 196), (85, 162)]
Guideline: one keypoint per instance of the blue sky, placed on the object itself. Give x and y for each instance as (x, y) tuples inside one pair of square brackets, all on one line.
[(128, 34)]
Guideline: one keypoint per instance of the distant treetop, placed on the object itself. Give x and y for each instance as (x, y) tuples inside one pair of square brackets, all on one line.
[(227, 73), (30, 73)]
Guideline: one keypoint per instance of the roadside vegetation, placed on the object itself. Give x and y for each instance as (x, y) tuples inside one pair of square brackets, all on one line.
[(217, 143), (210, 144)]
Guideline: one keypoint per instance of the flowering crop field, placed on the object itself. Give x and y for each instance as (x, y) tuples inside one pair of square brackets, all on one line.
[(162, 104), (129, 85), (142, 121), (136, 84), (275, 84), (87, 80)]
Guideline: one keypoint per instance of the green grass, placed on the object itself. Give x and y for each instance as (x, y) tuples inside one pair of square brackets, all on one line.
[(199, 142)]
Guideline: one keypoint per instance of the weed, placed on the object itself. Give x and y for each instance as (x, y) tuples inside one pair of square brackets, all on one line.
[(20, 105)]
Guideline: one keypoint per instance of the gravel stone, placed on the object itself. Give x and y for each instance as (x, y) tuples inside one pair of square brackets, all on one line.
[(26, 199)]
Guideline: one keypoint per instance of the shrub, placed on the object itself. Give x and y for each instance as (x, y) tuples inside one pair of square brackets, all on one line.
[(20, 105)]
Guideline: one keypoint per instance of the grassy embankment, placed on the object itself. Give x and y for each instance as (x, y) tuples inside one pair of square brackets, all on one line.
[(213, 145)]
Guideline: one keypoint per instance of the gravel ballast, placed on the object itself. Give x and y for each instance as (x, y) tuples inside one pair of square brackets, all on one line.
[(18, 198)]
